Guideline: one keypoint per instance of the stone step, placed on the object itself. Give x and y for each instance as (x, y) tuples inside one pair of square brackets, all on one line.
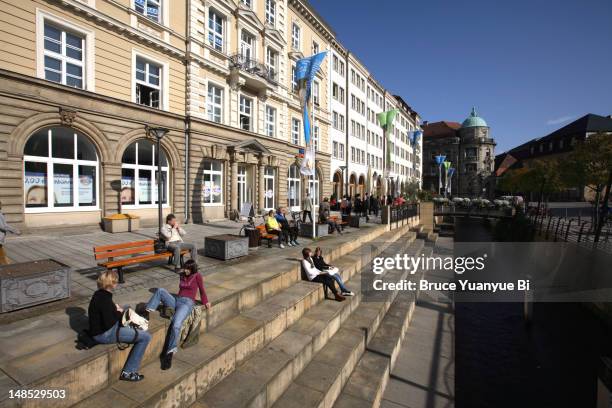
[(221, 348), (321, 381), (51, 361), (367, 383), (263, 378)]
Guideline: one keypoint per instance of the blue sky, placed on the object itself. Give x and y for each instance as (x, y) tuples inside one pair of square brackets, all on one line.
[(529, 66)]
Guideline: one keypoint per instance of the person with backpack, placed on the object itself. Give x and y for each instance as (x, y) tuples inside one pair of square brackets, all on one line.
[(106, 326)]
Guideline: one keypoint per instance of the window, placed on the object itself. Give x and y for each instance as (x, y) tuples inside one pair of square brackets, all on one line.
[(338, 92), (148, 83), (341, 151), (214, 103), (248, 3), (270, 12), (272, 61), (69, 159), (313, 189), (63, 56), (293, 188), (269, 192), (216, 24), (149, 8), (315, 136), (335, 150), (295, 36), (139, 175), (247, 45), (295, 131), (315, 93), (335, 119), (246, 109), (270, 121), (294, 82), (315, 47), (213, 186)]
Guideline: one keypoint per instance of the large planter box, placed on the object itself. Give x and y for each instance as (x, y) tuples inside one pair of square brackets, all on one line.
[(121, 225), (226, 246), (306, 230), (355, 221), (28, 284)]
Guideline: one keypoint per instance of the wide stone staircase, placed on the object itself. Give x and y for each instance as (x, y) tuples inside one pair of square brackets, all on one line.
[(265, 327)]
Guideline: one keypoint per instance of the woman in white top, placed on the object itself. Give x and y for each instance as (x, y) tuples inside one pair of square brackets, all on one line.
[(321, 265), (315, 275)]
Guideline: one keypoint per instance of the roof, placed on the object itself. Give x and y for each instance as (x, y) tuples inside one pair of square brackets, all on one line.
[(474, 120), (587, 123), (440, 129)]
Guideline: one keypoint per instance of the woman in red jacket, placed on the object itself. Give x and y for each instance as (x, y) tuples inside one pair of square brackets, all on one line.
[(190, 282)]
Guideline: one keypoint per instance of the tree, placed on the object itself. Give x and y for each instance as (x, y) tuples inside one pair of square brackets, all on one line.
[(590, 165)]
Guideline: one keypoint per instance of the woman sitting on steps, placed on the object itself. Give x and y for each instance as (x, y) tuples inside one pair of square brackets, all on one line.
[(333, 271), (189, 283), (315, 275)]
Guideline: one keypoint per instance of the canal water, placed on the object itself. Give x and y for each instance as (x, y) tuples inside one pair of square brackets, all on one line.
[(502, 362)]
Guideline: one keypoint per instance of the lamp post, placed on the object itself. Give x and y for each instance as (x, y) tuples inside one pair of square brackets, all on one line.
[(158, 133)]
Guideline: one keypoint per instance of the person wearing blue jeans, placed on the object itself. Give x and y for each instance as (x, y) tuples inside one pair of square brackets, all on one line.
[(105, 319), (189, 283), (333, 271)]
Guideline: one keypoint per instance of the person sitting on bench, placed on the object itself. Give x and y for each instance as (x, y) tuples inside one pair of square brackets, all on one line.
[(173, 234), (190, 282), (292, 230), (105, 326), (321, 265), (315, 275), (273, 227), (324, 219)]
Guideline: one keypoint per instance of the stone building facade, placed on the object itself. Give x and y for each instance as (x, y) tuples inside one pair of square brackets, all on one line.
[(81, 81), (469, 147)]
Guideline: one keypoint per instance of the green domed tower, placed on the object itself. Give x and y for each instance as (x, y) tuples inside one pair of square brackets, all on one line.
[(476, 156)]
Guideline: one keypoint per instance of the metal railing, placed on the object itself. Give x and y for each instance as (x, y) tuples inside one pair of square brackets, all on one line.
[(403, 212), (579, 231), (253, 67)]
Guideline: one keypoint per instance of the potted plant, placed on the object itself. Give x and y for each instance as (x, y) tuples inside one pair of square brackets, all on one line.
[(121, 223)]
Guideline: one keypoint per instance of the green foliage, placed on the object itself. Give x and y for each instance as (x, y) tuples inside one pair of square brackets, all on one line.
[(589, 163)]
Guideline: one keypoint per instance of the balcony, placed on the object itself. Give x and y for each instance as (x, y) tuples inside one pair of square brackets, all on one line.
[(251, 73)]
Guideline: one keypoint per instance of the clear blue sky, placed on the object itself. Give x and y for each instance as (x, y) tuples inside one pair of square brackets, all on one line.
[(529, 66)]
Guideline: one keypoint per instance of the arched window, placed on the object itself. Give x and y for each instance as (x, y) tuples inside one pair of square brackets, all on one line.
[(60, 171), (139, 175), (293, 188)]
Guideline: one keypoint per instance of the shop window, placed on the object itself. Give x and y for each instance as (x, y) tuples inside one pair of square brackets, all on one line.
[(293, 188), (213, 182), (139, 176), (269, 190), (60, 171)]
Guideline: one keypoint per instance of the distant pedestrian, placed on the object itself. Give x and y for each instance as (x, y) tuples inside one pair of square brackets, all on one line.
[(4, 228), (307, 208)]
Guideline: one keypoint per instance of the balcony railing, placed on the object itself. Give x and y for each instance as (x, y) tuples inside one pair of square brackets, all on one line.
[(253, 67)]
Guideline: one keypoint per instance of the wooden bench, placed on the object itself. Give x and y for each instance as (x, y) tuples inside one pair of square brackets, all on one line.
[(339, 221), (129, 253), (264, 234)]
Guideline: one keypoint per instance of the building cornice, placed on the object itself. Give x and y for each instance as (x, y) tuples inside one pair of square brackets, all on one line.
[(305, 10), (124, 28)]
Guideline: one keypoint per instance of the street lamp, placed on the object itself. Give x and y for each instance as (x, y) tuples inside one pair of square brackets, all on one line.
[(158, 133)]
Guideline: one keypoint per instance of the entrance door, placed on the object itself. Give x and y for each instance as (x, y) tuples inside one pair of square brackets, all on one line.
[(244, 192)]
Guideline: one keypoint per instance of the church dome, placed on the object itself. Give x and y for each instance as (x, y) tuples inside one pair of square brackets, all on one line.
[(474, 120)]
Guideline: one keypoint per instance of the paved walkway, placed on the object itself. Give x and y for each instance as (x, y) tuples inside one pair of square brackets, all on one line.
[(424, 373)]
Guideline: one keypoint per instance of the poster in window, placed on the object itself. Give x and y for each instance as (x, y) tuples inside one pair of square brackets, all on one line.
[(35, 187), (269, 193), (292, 192), (86, 189), (144, 186), (62, 188), (207, 190), (127, 189)]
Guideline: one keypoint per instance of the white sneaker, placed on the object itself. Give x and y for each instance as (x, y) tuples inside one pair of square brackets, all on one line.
[(348, 294), (289, 244), (282, 246)]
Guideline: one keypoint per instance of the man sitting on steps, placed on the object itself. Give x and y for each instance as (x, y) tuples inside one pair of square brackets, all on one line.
[(173, 234), (315, 275)]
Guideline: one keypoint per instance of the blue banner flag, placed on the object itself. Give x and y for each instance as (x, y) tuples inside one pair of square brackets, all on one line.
[(306, 124), (307, 68), (415, 136)]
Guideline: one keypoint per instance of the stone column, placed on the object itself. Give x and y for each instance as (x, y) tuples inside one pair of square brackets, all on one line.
[(234, 184), (261, 184)]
